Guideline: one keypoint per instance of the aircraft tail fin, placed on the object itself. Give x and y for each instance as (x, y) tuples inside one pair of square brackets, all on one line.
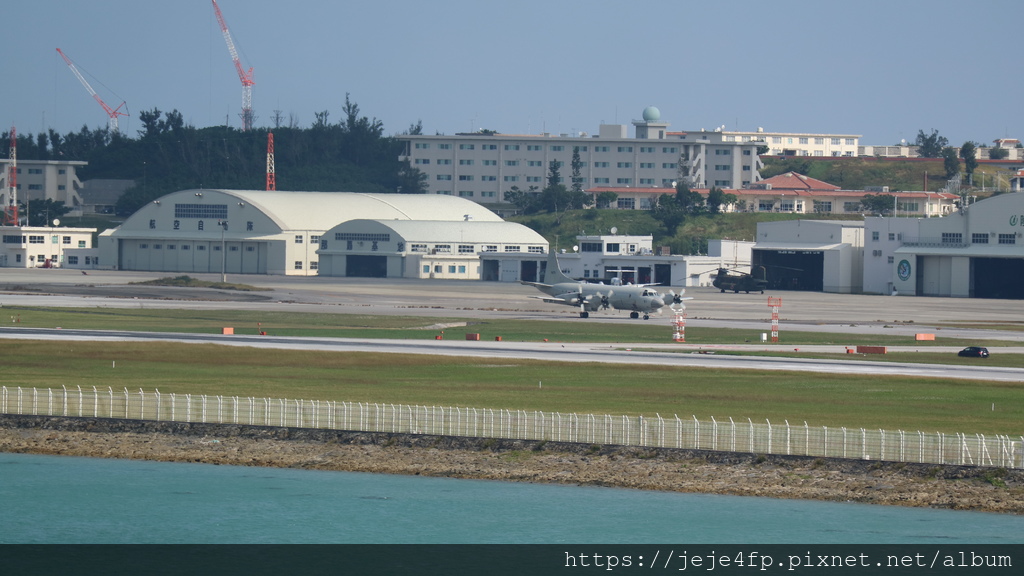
[(553, 274)]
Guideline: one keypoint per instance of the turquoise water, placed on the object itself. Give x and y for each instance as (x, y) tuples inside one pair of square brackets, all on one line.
[(58, 499)]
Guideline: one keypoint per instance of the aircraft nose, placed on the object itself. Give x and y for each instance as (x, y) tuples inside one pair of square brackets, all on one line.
[(658, 302)]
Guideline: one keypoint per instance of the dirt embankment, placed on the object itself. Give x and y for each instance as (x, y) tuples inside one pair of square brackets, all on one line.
[(920, 485)]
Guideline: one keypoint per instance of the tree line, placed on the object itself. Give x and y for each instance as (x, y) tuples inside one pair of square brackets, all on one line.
[(168, 155)]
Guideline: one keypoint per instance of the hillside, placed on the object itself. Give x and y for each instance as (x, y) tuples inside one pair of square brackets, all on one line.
[(899, 174)]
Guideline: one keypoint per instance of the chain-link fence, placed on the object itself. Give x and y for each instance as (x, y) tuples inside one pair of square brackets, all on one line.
[(657, 431)]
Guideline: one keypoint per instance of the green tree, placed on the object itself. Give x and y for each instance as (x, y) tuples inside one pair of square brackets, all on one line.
[(880, 204), (930, 145), (969, 152), (950, 161), (606, 199), (577, 168), (997, 153), (718, 198), (41, 212)]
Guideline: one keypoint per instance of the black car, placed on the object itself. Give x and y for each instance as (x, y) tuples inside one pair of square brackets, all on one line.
[(974, 352)]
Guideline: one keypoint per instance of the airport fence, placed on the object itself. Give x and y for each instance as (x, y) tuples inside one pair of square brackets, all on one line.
[(645, 431)]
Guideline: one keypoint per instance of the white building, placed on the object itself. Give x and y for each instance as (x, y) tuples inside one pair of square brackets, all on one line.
[(813, 255), (44, 180), (799, 143), (47, 247), (483, 166), (259, 232), (977, 252), (422, 248)]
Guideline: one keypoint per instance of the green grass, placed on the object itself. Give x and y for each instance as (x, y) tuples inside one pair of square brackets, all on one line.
[(818, 399), (426, 328)]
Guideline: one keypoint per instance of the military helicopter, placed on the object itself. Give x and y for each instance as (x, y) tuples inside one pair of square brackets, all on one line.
[(757, 280)]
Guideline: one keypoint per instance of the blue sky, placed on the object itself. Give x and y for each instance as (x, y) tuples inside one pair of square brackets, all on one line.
[(882, 69)]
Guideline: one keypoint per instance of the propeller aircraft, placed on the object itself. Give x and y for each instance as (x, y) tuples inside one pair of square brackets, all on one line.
[(638, 299)]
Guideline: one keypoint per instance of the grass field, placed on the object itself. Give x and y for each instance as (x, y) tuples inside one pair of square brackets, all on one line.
[(818, 399)]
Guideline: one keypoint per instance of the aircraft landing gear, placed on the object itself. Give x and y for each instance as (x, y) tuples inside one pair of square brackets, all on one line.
[(647, 316), (634, 315), (584, 314)]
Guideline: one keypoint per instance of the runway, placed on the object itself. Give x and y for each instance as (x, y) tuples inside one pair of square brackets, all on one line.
[(801, 311)]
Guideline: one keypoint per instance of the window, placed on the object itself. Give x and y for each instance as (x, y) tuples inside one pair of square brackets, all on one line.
[(625, 148), (670, 150), (81, 243), (851, 206), (624, 165), (444, 161), (601, 164), (66, 240), (803, 140), (313, 265), (465, 193), (723, 167), (172, 246), (422, 161), (466, 249), (952, 238), (208, 211), (511, 248), (248, 226), (490, 248), (188, 247), (465, 162), (73, 260), (462, 269), (489, 178), (467, 146), (298, 239), (836, 141), (647, 164), (511, 178), (534, 179), (892, 236), (487, 194), (511, 162), (891, 259), (444, 176), (444, 146), (314, 239), (451, 269), (625, 203), (201, 248), (668, 165), (1007, 238), (152, 224), (535, 249), (443, 248), (426, 268), (511, 146), (981, 238), (36, 240), (465, 177), (422, 145), (557, 148), (646, 149), (534, 163), (488, 146), (723, 152), (624, 181), (298, 264), (534, 147), (849, 141), (602, 180), (612, 248)]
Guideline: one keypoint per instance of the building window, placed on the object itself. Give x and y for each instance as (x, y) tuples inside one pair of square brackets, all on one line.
[(535, 249), (488, 146), (422, 145), (444, 146), (465, 177), (534, 147), (511, 248), (557, 148), (467, 146), (952, 238), (313, 265), (875, 236), (444, 176), (36, 240), (422, 161), (73, 260), (626, 203), (186, 247), (625, 149), (510, 178), (511, 162), (298, 264), (511, 146), (624, 181), (466, 249), (981, 238), (601, 164), (891, 259), (417, 247), (444, 161), (443, 248), (465, 162), (248, 226), (465, 193), (488, 178), (298, 238), (152, 224), (1007, 239), (451, 269), (534, 163), (625, 164), (490, 248), (201, 248)]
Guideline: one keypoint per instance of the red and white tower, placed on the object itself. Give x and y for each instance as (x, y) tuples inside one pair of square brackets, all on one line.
[(246, 115), (271, 177), (10, 215)]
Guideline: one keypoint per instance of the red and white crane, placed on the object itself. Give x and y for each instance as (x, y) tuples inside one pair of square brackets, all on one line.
[(10, 215), (113, 113), (271, 175), (247, 115)]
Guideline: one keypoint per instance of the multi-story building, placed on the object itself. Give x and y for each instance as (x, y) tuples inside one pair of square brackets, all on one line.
[(483, 166), (45, 180), (799, 143)]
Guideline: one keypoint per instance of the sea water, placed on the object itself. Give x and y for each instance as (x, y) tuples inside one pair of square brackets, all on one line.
[(61, 499)]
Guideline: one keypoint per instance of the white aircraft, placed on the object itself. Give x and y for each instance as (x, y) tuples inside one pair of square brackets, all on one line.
[(638, 299)]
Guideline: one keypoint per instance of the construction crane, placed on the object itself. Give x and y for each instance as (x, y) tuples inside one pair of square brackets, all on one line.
[(10, 216), (247, 115), (113, 113)]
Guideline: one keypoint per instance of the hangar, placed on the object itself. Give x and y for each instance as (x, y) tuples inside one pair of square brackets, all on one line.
[(260, 232), (421, 248), (976, 252), (811, 255)]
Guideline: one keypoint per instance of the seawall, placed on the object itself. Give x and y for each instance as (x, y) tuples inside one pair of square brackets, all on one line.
[(665, 469)]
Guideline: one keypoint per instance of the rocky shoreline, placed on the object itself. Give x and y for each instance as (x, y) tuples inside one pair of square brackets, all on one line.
[(869, 482)]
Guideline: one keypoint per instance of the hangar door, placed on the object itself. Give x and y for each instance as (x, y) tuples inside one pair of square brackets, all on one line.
[(362, 266), (792, 269), (998, 278)]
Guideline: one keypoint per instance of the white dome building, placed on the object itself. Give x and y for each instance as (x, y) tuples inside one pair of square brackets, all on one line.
[(268, 232)]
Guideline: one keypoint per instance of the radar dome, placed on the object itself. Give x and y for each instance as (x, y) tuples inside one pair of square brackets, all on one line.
[(651, 114)]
